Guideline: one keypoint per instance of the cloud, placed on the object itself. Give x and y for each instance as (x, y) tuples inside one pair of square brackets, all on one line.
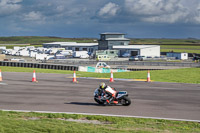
[(164, 11), (9, 6), (139, 17), (34, 16), (152, 7), (109, 9), (197, 14)]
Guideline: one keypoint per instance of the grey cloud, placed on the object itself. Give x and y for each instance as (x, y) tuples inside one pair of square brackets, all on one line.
[(163, 11), (9, 6), (33, 16), (109, 9)]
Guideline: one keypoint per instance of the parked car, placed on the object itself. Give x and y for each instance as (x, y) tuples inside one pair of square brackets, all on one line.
[(196, 58), (149, 57), (133, 58), (141, 58), (103, 58), (102, 65), (126, 55)]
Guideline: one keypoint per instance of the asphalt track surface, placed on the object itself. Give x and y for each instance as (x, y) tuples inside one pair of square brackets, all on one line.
[(57, 93)]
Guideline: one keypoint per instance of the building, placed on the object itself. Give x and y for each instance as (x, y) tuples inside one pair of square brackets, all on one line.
[(108, 40), (180, 56), (90, 47), (142, 50)]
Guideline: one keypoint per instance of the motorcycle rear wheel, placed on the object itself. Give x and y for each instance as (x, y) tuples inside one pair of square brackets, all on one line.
[(126, 101)]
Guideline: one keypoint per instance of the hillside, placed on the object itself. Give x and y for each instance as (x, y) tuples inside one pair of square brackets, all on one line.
[(38, 40)]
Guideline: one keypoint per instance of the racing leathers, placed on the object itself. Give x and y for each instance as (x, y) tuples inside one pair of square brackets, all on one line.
[(109, 93)]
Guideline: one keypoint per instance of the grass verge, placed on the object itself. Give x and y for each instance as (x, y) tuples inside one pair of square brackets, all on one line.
[(185, 75), (180, 51), (179, 47), (58, 123)]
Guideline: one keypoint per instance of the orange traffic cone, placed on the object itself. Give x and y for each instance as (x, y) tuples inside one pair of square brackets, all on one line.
[(34, 77), (0, 75), (111, 77), (74, 77), (148, 76)]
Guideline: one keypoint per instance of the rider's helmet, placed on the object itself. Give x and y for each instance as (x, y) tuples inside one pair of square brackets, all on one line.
[(102, 85)]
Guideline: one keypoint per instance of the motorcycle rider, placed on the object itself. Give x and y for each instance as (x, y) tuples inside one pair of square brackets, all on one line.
[(111, 92)]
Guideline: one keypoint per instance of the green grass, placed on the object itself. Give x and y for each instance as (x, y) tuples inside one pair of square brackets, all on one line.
[(32, 122), (185, 75), (179, 47), (40, 40), (37, 40), (165, 41), (180, 50), (12, 46)]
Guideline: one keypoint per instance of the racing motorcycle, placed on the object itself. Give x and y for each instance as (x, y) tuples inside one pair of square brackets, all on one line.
[(121, 98)]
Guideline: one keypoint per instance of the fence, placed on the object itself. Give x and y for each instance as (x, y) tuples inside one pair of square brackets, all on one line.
[(73, 65), (131, 63), (39, 65)]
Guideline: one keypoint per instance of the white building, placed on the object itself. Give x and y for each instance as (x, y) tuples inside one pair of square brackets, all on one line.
[(143, 50)]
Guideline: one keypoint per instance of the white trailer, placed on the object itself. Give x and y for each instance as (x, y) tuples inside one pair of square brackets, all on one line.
[(30, 47), (3, 47), (32, 54), (24, 53), (55, 50), (60, 56), (78, 54), (13, 52), (17, 48), (41, 56), (8, 51), (66, 52), (84, 56), (49, 57)]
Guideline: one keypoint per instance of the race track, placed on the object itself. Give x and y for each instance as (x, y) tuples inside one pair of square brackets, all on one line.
[(57, 93)]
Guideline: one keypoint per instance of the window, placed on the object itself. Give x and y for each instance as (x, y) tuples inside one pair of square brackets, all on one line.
[(76, 49), (84, 49)]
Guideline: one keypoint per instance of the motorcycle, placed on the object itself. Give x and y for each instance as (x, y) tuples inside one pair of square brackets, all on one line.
[(121, 98)]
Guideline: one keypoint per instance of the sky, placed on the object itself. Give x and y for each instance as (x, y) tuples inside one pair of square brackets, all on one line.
[(89, 18)]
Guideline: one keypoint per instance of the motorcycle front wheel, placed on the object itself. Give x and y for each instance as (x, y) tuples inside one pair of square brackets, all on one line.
[(126, 101), (98, 101)]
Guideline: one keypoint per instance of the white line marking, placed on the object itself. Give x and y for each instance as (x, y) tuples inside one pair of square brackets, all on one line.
[(173, 119)]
